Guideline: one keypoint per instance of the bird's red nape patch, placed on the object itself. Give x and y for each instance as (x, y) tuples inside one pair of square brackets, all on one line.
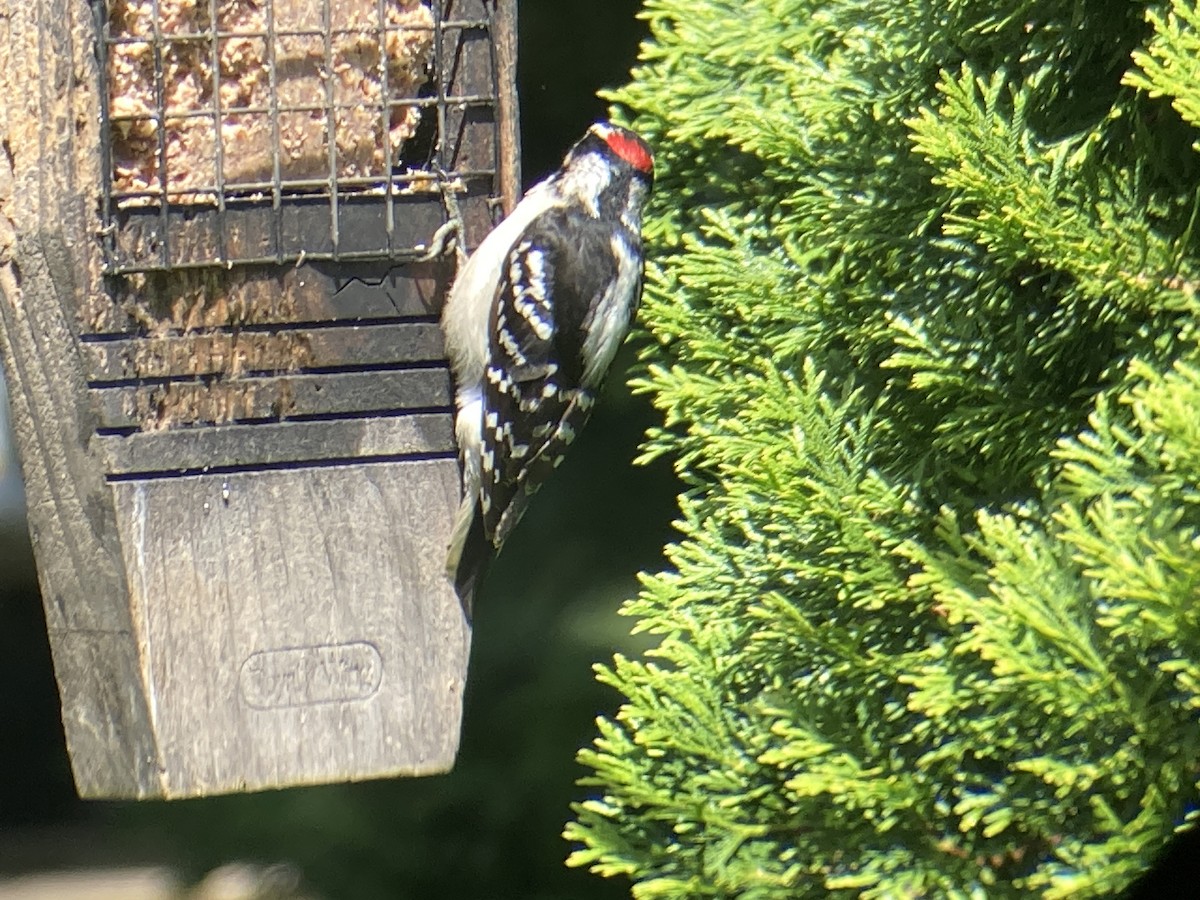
[(630, 149)]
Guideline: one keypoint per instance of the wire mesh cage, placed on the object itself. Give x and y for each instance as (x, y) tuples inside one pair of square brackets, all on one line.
[(273, 131), (272, 172)]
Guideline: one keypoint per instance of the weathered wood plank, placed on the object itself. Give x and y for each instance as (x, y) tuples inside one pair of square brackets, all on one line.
[(244, 351), (49, 128), (299, 228), (507, 103), (186, 403), (306, 639), (469, 141), (158, 303), (276, 443)]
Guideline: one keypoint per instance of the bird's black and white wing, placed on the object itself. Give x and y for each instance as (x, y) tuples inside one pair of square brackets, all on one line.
[(536, 396)]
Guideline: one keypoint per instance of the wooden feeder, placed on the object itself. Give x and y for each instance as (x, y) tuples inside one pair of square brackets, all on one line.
[(220, 332)]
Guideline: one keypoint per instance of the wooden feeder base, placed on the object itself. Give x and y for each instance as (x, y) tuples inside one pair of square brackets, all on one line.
[(264, 666)]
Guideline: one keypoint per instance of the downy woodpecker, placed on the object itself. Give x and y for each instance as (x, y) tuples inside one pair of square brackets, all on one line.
[(532, 324)]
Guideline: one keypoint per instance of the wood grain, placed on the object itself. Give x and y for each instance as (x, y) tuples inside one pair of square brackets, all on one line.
[(246, 351), (158, 303), (271, 397), (278, 444), (307, 639), (49, 127), (508, 106)]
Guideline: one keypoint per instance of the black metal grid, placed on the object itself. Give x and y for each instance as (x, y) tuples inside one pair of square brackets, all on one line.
[(286, 218)]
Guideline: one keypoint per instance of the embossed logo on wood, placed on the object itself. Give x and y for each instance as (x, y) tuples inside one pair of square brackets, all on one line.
[(303, 676)]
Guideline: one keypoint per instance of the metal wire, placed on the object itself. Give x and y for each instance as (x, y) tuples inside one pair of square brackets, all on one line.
[(160, 106), (218, 144), (276, 161), (385, 121), (154, 227)]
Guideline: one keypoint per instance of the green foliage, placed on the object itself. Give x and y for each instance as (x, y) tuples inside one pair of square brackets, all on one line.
[(923, 308)]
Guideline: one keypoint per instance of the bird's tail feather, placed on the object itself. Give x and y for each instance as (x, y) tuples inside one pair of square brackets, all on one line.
[(469, 554)]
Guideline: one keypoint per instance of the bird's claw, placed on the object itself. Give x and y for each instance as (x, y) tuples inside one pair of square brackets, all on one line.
[(453, 229)]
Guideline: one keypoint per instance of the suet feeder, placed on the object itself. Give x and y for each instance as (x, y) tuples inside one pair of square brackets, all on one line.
[(220, 332)]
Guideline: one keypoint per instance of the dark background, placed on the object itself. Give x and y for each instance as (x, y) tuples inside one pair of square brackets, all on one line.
[(492, 827)]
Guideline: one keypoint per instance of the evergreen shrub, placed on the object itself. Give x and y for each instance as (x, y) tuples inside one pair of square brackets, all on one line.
[(924, 333)]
